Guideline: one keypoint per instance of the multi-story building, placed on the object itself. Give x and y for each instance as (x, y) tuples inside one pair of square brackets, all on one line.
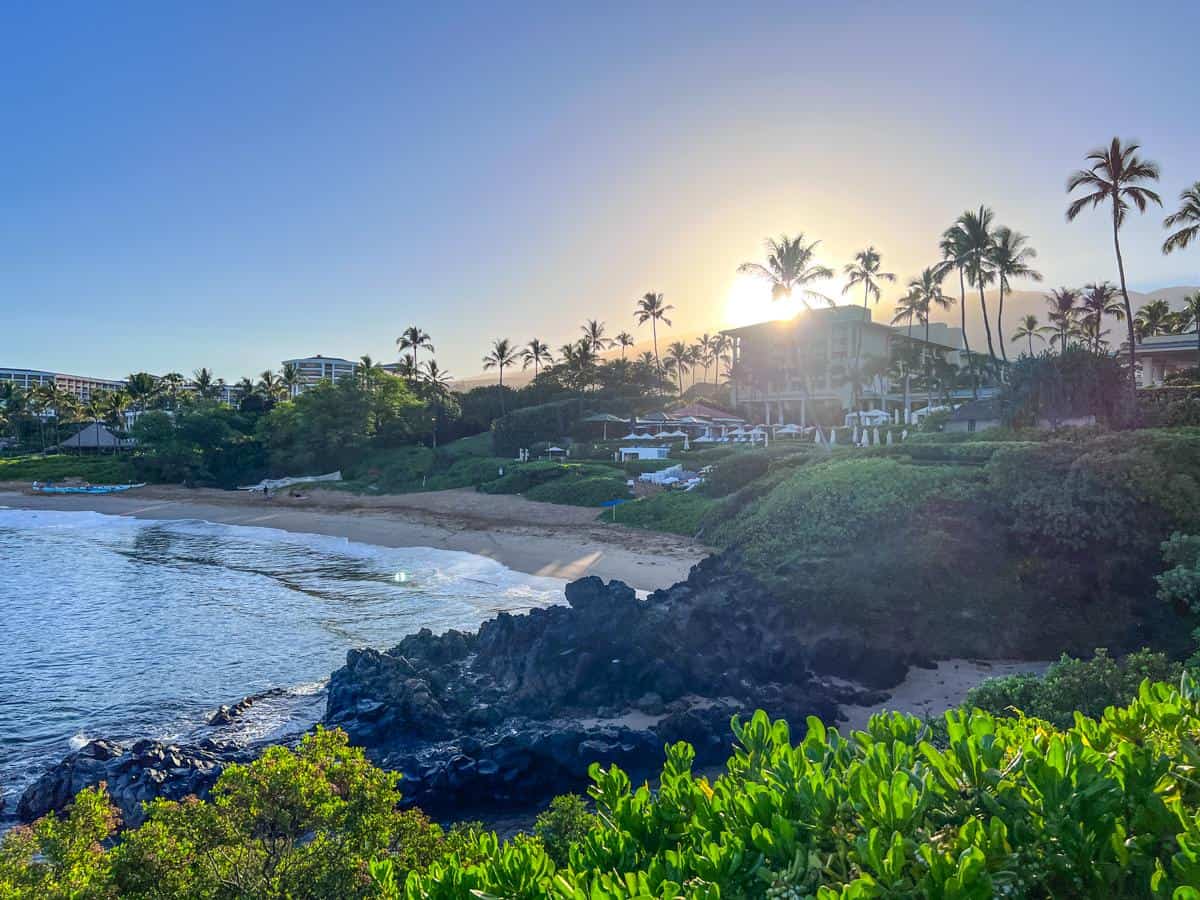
[(81, 386), (314, 369), (800, 368)]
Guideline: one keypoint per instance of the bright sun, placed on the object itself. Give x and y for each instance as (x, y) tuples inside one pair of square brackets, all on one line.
[(749, 301)]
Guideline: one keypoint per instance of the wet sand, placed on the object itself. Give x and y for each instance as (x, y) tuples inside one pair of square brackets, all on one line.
[(536, 538)]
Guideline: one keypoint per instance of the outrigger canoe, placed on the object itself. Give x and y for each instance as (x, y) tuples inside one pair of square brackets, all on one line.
[(39, 488)]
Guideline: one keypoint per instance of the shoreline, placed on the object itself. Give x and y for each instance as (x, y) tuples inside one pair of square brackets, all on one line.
[(534, 538)]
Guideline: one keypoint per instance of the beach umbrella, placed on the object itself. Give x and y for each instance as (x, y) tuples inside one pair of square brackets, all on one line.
[(832, 436), (875, 437), (904, 435), (890, 438), (854, 437)]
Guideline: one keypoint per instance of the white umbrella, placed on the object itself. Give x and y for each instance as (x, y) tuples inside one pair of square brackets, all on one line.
[(904, 435), (632, 436), (890, 438), (854, 437), (832, 436)]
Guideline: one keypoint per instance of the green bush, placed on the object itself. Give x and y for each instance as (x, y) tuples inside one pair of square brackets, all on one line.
[(111, 469), (635, 467), (1069, 685), (678, 512), (580, 490), (565, 822), (525, 427), (1005, 807), (394, 470), (736, 472), (476, 445)]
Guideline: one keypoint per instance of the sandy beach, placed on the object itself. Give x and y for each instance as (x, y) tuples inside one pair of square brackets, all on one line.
[(930, 692), (536, 538)]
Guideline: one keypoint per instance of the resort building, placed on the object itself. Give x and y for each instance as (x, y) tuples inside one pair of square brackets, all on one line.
[(799, 369), (314, 369), (1162, 354), (81, 386)]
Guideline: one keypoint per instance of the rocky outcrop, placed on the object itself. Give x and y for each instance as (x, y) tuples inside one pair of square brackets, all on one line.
[(133, 774), (521, 708), (227, 715)]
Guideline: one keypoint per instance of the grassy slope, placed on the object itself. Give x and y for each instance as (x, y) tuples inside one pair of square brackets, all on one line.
[(96, 469)]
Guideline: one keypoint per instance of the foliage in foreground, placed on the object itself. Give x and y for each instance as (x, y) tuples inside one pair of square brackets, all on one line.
[(1073, 685), (96, 469), (1007, 807)]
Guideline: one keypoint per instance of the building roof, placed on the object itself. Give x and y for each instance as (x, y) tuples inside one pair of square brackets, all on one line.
[(704, 411), (319, 358), (94, 437), (979, 410)]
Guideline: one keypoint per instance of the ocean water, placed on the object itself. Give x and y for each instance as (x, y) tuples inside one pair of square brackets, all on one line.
[(124, 628)]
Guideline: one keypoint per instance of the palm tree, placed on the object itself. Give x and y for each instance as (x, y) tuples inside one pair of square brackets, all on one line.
[(722, 349), (501, 356), (909, 308), (865, 271), (290, 378), (414, 340), (680, 360), (369, 372), (536, 354), (624, 340), (1153, 318), (593, 333), (170, 387), (790, 269), (115, 406), (1030, 329), (704, 352), (652, 309), (1063, 303), (1188, 215), (95, 409), (141, 388), (926, 293), (1099, 300), (1116, 176), (435, 382), (953, 246), (206, 386), (407, 368), (1010, 258), (245, 390), (270, 386), (979, 244)]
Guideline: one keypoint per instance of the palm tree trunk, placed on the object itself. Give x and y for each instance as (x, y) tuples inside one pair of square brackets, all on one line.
[(1128, 309), (928, 374), (987, 326), (1031, 345), (1000, 323), (962, 309), (654, 332)]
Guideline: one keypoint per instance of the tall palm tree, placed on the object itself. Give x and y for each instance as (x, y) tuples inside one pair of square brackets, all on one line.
[(170, 388), (926, 293), (290, 378), (680, 359), (953, 246), (536, 354), (414, 340), (790, 269), (624, 340), (865, 270), (1188, 216), (1010, 258), (96, 409), (909, 308), (1153, 318), (245, 390), (1029, 329), (501, 356), (704, 352), (651, 308), (367, 370), (593, 333), (577, 364), (979, 243), (1064, 308), (435, 383), (1117, 175), (722, 349), (1099, 300)]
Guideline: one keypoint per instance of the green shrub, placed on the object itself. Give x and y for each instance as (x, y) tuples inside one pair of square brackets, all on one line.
[(1008, 807), (533, 424), (112, 469), (1069, 685), (580, 490), (736, 472), (565, 822), (635, 467), (476, 445), (678, 512), (393, 471)]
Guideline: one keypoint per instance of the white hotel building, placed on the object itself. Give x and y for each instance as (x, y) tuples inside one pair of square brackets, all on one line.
[(314, 369), (80, 385)]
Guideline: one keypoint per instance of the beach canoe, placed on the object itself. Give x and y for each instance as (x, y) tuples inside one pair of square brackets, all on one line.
[(39, 488)]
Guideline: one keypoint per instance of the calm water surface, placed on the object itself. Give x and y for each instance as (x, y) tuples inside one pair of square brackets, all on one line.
[(124, 628)]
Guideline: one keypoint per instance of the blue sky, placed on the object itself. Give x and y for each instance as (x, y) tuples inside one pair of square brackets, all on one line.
[(232, 184)]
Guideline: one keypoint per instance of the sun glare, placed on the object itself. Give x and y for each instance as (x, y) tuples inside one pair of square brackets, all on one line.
[(749, 301)]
